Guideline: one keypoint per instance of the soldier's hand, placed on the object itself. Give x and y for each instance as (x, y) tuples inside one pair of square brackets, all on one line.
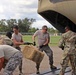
[(5, 62), (34, 43), (28, 43), (41, 46), (63, 48)]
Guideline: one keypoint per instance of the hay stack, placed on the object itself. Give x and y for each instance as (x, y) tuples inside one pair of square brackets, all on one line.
[(32, 53)]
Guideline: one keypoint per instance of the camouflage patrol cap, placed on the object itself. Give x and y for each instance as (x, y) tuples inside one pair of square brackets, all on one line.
[(67, 27)]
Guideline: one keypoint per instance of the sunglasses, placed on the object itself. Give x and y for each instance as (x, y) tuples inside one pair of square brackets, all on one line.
[(45, 29)]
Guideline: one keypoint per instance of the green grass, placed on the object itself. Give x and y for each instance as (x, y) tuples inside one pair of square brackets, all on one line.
[(27, 38), (53, 39)]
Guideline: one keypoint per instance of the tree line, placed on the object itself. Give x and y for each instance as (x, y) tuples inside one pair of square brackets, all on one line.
[(23, 24)]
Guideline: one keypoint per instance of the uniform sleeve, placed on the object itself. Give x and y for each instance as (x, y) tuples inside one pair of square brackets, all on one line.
[(61, 42), (36, 33), (13, 36), (72, 38)]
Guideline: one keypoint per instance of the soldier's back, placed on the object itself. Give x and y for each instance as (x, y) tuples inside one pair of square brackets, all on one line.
[(68, 34), (66, 37)]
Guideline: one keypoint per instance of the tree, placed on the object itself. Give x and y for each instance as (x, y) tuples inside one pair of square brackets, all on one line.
[(51, 30), (3, 26), (25, 24), (10, 23), (33, 30)]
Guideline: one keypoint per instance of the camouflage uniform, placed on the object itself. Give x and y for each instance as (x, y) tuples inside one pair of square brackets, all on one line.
[(72, 54), (64, 43), (49, 53), (13, 62), (20, 66)]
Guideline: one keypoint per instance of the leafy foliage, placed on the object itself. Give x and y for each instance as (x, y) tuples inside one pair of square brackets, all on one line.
[(24, 24)]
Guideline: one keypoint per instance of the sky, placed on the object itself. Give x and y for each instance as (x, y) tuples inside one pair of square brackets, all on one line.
[(19, 9)]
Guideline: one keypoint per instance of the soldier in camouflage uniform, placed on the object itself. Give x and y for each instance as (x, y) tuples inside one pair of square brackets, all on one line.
[(72, 54), (4, 40), (65, 45), (12, 55)]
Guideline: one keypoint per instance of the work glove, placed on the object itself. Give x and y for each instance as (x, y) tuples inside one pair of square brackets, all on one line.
[(28, 43), (34, 43), (41, 46), (62, 48)]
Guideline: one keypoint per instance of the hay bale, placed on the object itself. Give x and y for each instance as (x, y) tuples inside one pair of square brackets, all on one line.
[(32, 53)]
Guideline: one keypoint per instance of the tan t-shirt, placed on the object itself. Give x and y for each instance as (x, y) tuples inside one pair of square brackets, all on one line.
[(41, 37), (17, 37), (7, 51)]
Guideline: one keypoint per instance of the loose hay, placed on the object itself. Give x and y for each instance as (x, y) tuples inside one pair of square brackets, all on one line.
[(32, 53)]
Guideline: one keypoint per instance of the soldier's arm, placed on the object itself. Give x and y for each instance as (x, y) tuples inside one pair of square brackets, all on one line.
[(1, 63), (35, 34), (15, 41), (22, 38), (61, 43), (47, 40), (33, 38)]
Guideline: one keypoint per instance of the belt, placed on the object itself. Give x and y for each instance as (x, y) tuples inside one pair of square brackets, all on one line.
[(43, 46)]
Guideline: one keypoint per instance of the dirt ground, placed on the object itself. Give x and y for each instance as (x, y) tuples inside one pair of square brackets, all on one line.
[(29, 66)]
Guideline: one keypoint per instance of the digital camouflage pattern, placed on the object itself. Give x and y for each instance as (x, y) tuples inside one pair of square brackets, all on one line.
[(72, 54), (66, 42), (13, 62)]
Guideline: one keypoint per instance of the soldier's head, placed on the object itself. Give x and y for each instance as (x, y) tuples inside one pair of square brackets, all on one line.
[(44, 29), (9, 34), (15, 29), (67, 28)]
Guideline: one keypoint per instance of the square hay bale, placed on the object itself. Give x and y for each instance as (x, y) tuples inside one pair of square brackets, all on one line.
[(32, 53)]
